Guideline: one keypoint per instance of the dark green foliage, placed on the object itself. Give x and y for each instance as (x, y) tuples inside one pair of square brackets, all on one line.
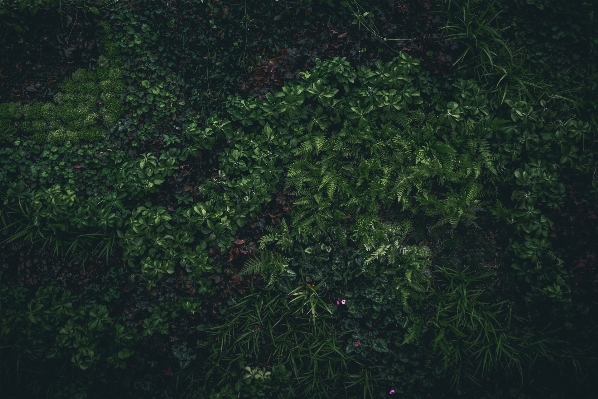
[(54, 324), (355, 301)]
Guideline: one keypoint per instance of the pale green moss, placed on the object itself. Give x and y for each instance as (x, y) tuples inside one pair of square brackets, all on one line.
[(90, 120), (86, 108)]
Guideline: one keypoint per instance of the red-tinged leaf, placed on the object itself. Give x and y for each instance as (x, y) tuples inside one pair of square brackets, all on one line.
[(342, 35), (239, 242), (77, 166)]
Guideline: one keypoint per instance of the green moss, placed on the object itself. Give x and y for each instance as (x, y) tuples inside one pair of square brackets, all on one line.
[(76, 112), (79, 76), (112, 53), (112, 104), (61, 136), (92, 134), (90, 120), (56, 135), (112, 75), (108, 86), (7, 129), (48, 111), (54, 123), (84, 76), (71, 136), (110, 118), (11, 111), (59, 98), (103, 63), (86, 88), (68, 98), (33, 112), (87, 101), (68, 86), (40, 137), (75, 124), (34, 126)]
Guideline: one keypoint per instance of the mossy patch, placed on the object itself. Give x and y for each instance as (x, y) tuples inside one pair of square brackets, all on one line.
[(86, 109)]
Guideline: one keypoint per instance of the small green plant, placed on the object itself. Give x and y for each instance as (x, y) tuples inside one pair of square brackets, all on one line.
[(256, 374), (475, 336), (487, 52), (266, 328)]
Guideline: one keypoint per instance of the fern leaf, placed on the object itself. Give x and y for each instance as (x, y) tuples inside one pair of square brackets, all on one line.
[(267, 265), (377, 254), (319, 142), (414, 332)]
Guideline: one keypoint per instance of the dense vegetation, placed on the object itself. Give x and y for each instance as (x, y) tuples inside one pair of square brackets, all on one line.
[(232, 199)]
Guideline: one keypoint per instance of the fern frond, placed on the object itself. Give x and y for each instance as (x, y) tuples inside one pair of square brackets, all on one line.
[(267, 262), (403, 120), (268, 238), (472, 192), (268, 265), (381, 251), (280, 236), (440, 341), (329, 179), (306, 148), (414, 332), (319, 142), (486, 155)]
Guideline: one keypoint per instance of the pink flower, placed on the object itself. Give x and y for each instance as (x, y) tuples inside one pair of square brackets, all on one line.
[(343, 301), (358, 343), (392, 391), (337, 303)]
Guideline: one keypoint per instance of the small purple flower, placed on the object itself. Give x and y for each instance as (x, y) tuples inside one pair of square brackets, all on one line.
[(358, 343), (337, 303), (343, 301), (392, 391)]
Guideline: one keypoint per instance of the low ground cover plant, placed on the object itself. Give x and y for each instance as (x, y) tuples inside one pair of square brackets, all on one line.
[(375, 283)]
